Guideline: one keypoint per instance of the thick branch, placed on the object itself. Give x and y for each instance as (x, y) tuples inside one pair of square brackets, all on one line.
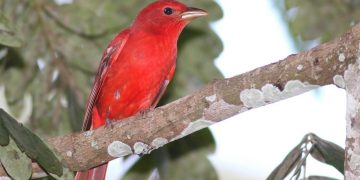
[(352, 149), (219, 100)]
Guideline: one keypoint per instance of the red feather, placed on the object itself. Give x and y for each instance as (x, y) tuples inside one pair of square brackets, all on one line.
[(109, 55)]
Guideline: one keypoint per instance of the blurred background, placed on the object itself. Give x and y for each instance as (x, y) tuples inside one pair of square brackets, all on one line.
[(49, 52)]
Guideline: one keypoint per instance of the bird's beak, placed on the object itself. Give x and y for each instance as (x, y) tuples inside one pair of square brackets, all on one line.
[(192, 13)]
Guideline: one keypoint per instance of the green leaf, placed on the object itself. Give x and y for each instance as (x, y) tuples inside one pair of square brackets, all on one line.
[(322, 150), (7, 33), (15, 162), (4, 135), (31, 144), (287, 165), (328, 152)]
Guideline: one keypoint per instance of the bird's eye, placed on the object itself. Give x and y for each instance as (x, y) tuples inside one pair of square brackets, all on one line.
[(168, 11)]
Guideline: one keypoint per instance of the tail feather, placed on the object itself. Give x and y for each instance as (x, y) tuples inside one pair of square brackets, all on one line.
[(97, 173)]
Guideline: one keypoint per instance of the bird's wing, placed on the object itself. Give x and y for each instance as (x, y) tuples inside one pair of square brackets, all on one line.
[(109, 56), (163, 87)]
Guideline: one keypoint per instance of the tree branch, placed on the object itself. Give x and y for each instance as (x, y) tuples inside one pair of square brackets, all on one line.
[(352, 145), (217, 101)]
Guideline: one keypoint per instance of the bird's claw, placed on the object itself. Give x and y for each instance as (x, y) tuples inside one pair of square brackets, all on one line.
[(143, 112), (108, 123)]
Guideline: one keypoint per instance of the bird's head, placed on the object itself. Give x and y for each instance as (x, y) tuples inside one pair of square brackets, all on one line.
[(166, 16)]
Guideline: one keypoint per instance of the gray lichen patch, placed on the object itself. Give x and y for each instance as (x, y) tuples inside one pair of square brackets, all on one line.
[(253, 98), (193, 127), (159, 142), (243, 109), (271, 93), (88, 133), (339, 81), (69, 153), (118, 149), (355, 161), (296, 87), (352, 81), (300, 67), (349, 175), (341, 57), (221, 110), (353, 107), (141, 148), (94, 144), (211, 99)]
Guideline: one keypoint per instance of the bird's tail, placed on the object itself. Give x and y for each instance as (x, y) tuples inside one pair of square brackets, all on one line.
[(97, 173)]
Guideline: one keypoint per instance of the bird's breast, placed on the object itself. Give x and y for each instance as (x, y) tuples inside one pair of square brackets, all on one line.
[(134, 79)]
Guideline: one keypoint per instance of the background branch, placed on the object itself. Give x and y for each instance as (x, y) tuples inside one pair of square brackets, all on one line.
[(219, 100)]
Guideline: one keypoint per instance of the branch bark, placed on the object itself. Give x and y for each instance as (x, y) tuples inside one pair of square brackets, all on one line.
[(217, 101), (352, 145)]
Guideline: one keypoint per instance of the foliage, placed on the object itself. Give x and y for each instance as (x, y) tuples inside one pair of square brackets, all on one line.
[(7, 34), (318, 21), (12, 159), (16, 141), (295, 162)]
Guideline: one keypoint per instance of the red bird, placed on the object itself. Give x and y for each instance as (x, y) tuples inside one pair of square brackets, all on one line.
[(136, 67)]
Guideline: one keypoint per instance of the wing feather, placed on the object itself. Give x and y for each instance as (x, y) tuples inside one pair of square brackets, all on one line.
[(109, 56), (163, 87)]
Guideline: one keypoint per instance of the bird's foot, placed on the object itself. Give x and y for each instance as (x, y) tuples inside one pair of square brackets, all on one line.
[(143, 112), (108, 123)]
